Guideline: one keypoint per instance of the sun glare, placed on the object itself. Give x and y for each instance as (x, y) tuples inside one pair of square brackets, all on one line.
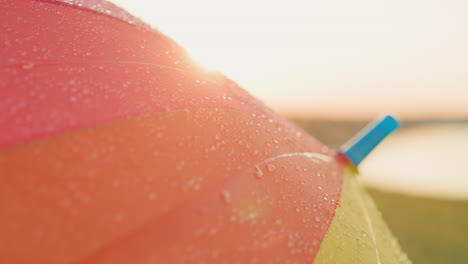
[(310, 55)]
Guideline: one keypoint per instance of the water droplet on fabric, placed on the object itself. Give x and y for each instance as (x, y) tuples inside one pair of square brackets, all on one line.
[(152, 196), (271, 167), (215, 253), (258, 172), (180, 165), (119, 217), (65, 203), (213, 231), (226, 196), (27, 66)]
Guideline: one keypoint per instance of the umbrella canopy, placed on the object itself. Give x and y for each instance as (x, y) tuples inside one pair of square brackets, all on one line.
[(115, 147)]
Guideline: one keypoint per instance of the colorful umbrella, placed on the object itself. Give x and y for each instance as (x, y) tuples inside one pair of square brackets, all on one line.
[(115, 147)]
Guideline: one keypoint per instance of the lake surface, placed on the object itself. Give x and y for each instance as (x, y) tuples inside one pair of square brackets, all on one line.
[(427, 160)]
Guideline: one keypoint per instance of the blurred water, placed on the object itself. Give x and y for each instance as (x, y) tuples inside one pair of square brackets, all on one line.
[(427, 160)]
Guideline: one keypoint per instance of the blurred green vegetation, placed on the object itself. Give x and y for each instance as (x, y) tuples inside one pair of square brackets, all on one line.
[(431, 231)]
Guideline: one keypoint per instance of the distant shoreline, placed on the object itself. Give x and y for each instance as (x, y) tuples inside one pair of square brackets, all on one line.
[(334, 132)]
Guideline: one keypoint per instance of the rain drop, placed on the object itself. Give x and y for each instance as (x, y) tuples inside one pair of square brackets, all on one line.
[(27, 66), (258, 172), (152, 196), (93, 156), (226, 196), (119, 217), (65, 203), (116, 183), (215, 253), (271, 167), (213, 231), (180, 165)]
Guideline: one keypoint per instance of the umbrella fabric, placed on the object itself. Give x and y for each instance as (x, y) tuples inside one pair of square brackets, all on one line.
[(115, 147)]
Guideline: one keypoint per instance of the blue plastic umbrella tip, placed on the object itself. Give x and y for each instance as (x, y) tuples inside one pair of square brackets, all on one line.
[(357, 148)]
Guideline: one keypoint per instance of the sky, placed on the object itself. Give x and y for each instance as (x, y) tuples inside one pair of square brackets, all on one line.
[(343, 59)]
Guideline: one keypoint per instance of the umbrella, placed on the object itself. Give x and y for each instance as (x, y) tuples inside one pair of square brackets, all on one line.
[(116, 147)]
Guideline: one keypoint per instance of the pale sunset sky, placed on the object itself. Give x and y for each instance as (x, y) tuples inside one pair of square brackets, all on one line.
[(337, 58)]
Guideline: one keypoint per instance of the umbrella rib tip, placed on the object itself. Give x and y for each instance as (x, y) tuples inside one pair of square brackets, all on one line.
[(361, 145)]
